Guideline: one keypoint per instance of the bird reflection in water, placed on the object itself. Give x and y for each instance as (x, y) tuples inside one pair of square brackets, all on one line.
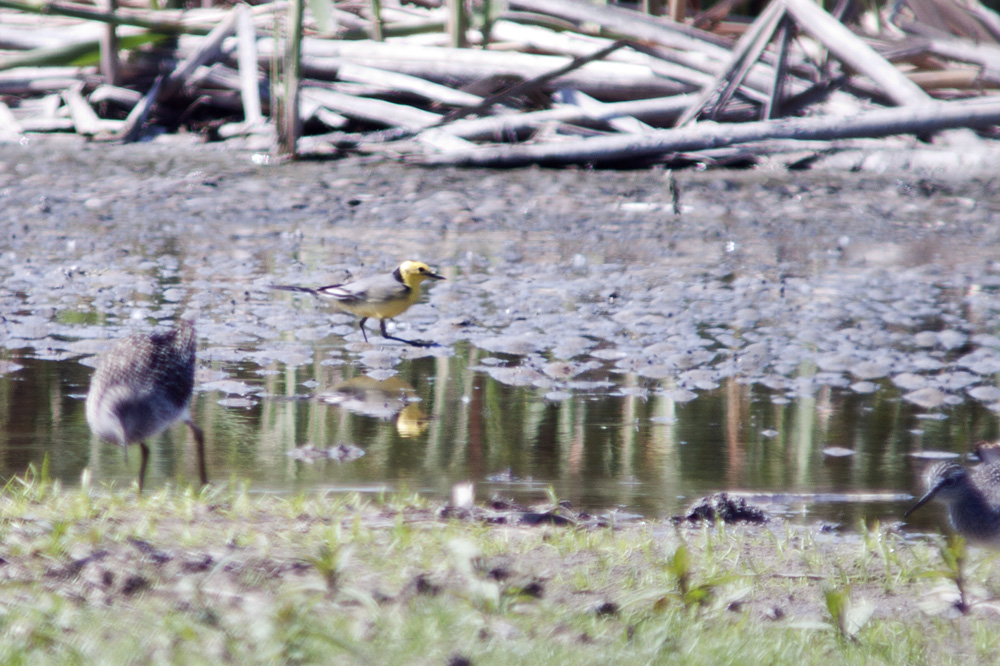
[(385, 399)]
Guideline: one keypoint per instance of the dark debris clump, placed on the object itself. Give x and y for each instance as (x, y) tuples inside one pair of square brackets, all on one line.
[(500, 511), (721, 506)]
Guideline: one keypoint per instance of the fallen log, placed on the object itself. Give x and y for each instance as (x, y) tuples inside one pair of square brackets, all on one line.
[(745, 54), (534, 83), (917, 119), (987, 57), (9, 127), (690, 47), (853, 51), (33, 80), (591, 107), (662, 110), (138, 19), (85, 120), (17, 38), (372, 110), (47, 125), (121, 96), (630, 24), (167, 85), (954, 78), (210, 49), (405, 83), (606, 81), (988, 17), (165, 21)]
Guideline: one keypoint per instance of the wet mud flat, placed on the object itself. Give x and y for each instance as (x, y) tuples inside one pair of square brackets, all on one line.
[(865, 277), (643, 285)]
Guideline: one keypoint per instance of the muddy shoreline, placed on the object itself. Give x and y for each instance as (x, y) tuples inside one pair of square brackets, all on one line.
[(90, 574)]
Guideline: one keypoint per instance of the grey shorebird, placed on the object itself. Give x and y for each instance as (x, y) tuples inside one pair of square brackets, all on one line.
[(971, 494), (141, 387)]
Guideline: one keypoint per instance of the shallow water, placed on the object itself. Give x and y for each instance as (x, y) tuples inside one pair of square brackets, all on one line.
[(591, 341)]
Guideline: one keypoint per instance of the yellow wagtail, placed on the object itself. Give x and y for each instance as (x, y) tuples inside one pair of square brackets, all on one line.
[(379, 296)]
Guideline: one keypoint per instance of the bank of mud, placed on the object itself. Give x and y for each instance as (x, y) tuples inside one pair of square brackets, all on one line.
[(696, 276)]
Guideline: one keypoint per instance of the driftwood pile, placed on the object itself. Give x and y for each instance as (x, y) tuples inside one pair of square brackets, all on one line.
[(533, 81)]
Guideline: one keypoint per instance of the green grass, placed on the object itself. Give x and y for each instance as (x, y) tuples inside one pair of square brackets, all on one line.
[(97, 575)]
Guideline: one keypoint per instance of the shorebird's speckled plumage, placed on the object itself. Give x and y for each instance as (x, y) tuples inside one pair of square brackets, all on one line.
[(141, 387), (971, 494)]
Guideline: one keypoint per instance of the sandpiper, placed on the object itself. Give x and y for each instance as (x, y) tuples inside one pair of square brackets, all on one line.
[(972, 495), (141, 387)]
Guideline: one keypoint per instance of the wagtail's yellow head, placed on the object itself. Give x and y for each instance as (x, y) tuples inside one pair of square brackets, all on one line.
[(412, 273)]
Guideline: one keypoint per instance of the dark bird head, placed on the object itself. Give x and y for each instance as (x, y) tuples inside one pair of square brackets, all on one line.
[(947, 481)]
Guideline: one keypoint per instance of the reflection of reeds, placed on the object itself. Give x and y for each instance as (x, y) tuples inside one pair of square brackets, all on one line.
[(633, 446)]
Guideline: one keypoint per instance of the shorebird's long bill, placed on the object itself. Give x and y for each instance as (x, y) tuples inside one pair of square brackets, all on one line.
[(928, 496)]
